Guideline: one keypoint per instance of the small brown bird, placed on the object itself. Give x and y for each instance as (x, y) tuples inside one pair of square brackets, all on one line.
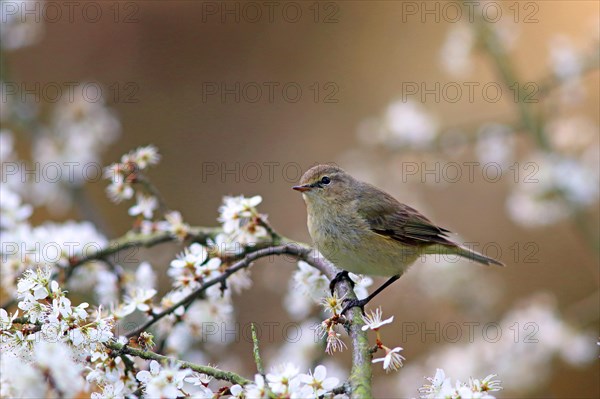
[(362, 229)]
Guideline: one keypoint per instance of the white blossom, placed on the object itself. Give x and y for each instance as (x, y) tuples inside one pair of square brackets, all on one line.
[(306, 281), (111, 391), (361, 284), (199, 379), (57, 359), (282, 377), (209, 270), (145, 277), (6, 320), (19, 379), (392, 359), (223, 245), (12, 210), (236, 391), (456, 53), (550, 187), (163, 382), (78, 132), (240, 219), (373, 321), (7, 142), (140, 299), (564, 59), (409, 125), (319, 381), (53, 243), (174, 225), (441, 387), (334, 342), (146, 205), (257, 389), (16, 30), (495, 144), (332, 303), (145, 156), (119, 190)]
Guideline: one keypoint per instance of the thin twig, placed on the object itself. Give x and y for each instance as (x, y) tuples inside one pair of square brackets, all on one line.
[(242, 264), (256, 351), (151, 188), (137, 240), (148, 355)]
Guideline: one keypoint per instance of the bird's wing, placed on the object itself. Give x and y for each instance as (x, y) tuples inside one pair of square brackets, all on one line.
[(400, 222)]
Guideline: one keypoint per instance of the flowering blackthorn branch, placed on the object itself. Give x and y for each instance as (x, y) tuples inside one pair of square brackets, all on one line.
[(137, 240), (360, 375), (148, 355), (242, 264), (360, 379)]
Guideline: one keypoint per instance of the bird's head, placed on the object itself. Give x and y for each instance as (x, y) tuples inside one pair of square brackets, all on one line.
[(325, 183)]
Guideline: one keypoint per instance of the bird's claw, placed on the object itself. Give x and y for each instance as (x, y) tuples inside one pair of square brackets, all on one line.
[(354, 303), (343, 275)]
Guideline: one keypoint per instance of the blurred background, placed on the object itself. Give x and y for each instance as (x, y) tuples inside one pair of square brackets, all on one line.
[(241, 98)]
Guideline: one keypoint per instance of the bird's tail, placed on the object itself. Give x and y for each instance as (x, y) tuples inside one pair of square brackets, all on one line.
[(453, 249)]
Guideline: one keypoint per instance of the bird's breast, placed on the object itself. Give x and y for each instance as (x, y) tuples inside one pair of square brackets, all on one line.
[(347, 241)]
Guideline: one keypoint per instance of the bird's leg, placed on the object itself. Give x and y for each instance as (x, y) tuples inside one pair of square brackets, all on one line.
[(343, 275), (362, 302)]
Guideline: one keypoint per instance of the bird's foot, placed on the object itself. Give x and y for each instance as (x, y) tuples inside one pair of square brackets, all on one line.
[(343, 275), (355, 303)]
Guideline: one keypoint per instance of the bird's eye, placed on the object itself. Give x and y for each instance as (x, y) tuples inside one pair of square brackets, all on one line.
[(325, 180)]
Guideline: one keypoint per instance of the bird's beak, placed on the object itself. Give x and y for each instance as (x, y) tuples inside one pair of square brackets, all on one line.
[(303, 188)]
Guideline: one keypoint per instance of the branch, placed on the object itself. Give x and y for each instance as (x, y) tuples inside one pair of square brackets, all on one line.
[(256, 351), (360, 375), (147, 184), (213, 372), (136, 240), (242, 264)]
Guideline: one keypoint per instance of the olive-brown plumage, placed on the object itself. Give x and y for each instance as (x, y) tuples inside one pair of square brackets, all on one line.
[(362, 229)]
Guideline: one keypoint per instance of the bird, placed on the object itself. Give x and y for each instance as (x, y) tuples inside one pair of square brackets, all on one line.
[(364, 230)]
